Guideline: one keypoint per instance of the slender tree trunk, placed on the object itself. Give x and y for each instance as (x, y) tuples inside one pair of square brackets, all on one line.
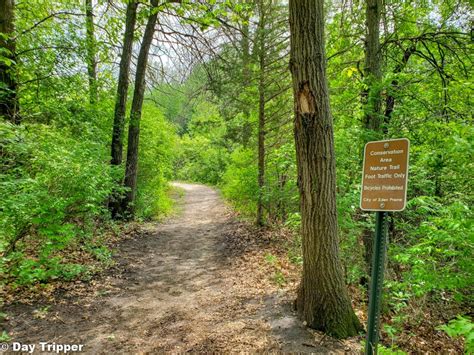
[(281, 208), (91, 52), (8, 83), (390, 99), (121, 98), (371, 97), (247, 126), (122, 86), (261, 114), (131, 167), (323, 301), (373, 65)]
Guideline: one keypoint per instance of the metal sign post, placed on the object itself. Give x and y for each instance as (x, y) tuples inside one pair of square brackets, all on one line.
[(384, 188), (375, 298)]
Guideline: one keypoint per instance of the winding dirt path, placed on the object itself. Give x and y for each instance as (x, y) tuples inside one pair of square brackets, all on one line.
[(189, 284)]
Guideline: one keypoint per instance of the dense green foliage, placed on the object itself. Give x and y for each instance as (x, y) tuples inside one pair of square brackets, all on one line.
[(56, 181), (200, 156), (157, 146), (54, 190), (55, 176)]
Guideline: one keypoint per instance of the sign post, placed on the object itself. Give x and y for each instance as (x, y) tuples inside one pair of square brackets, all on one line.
[(384, 188)]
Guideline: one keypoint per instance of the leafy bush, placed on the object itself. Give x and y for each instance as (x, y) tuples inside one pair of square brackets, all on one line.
[(200, 160), (461, 327), (239, 183), (157, 144), (438, 249), (201, 156), (280, 194), (54, 187)]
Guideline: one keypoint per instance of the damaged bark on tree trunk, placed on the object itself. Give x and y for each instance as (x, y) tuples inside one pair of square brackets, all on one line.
[(323, 301)]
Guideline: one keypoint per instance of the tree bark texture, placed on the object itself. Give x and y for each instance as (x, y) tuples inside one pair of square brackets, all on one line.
[(122, 86), (131, 167), (373, 65), (323, 301), (247, 125), (8, 83), (261, 114), (91, 52), (373, 118), (390, 99)]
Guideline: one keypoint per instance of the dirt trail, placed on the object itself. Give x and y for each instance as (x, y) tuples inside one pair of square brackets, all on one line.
[(182, 286)]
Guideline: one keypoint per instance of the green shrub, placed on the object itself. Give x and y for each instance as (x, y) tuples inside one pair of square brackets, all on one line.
[(54, 189), (200, 160), (157, 144), (438, 249), (239, 182), (461, 327), (201, 156), (280, 194)]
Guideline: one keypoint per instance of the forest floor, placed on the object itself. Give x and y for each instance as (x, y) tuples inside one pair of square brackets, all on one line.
[(201, 281)]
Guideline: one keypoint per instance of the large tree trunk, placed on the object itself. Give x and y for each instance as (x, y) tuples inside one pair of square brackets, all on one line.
[(122, 86), (323, 301), (261, 114), (91, 52), (8, 83), (121, 99), (131, 167)]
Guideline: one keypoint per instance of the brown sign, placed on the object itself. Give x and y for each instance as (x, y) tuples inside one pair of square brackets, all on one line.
[(385, 175)]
